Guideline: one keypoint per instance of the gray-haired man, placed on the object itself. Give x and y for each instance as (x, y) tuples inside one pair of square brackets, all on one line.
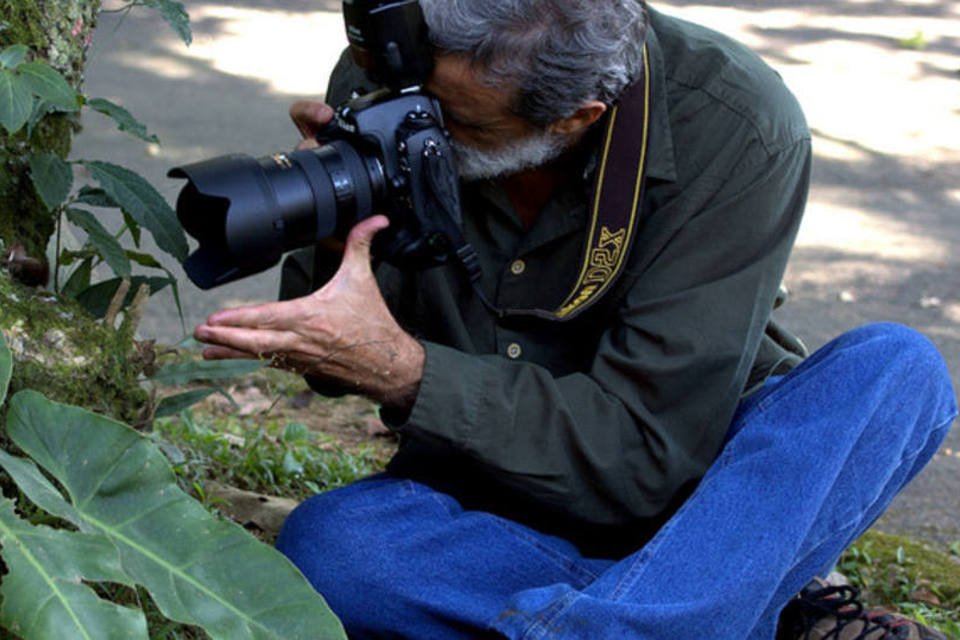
[(663, 465)]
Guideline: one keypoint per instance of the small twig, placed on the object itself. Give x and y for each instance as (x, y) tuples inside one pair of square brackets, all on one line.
[(134, 313), (56, 257), (116, 304)]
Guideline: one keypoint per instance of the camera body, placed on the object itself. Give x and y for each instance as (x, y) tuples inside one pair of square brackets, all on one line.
[(385, 152)]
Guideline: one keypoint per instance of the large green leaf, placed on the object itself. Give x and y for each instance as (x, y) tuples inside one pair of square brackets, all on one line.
[(52, 177), (199, 569), (108, 246), (175, 15), (47, 83), (193, 370), (6, 368), (12, 56), (16, 101), (43, 596), (124, 119), (138, 197)]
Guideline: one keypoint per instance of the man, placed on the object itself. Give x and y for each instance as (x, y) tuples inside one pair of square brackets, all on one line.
[(661, 466)]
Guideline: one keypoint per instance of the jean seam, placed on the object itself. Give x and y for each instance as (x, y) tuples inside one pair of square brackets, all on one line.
[(582, 574), (630, 577), (540, 624)]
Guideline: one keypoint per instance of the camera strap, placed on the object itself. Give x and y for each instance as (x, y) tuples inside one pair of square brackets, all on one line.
[(617, 197), (618, 192)]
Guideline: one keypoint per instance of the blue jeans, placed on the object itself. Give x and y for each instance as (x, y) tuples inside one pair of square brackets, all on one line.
[(811, 460)]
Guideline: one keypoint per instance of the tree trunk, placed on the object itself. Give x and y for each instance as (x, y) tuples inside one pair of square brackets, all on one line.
[(58, 348), (57, 32)]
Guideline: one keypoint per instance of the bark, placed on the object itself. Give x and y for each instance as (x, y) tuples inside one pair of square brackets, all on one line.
[(58, 32)]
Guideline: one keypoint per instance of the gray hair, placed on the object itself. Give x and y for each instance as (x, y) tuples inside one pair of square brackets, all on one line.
[(557, 54)]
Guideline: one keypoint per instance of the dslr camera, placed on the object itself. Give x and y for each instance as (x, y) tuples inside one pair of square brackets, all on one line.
[(385, 152)]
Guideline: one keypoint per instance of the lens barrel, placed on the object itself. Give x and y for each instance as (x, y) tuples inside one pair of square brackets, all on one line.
[(246, 212)]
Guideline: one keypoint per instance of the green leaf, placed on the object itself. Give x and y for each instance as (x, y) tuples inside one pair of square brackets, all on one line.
[(16, 101), (79, 279), (144, 259), (123, 118), (291, 466), (12, 56), (40, 490), (296, 432), (184, 372), (39, 111), (175, 289), (52, 177), (47, 83), (108, 247), (132, 227), (43, 596), (6, 368), (199, 570), (95, 198), (172, 405), (136, 196), (175, 15), (96, 299)]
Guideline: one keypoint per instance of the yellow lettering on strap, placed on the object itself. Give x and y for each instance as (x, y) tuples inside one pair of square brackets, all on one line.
[(608, 242)]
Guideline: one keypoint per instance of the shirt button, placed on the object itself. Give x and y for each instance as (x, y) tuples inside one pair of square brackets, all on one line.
[(514, 351), (517, 267)]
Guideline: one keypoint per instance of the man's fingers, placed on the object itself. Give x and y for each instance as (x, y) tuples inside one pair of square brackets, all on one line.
[(226, 353), (310, 117), (357, 252), (254, 343), (269, 315)]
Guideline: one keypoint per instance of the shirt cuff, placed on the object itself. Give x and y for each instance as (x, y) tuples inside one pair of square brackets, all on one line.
[(448, 401)]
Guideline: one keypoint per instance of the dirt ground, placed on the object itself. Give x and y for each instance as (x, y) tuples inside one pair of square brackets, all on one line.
[(879, 80)]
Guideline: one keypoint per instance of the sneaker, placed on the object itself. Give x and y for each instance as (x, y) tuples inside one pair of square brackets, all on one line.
[(826, 612)]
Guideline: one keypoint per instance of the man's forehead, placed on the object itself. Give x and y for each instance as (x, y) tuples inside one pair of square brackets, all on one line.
[(463, 90)]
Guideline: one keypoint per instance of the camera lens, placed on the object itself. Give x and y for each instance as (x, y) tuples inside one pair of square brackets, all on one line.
[(247, 212)]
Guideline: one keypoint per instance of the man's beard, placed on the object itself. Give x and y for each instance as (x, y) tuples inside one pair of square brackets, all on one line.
[(527, 153)]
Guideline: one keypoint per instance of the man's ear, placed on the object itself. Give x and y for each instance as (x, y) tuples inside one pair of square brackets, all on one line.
[(582, 118)]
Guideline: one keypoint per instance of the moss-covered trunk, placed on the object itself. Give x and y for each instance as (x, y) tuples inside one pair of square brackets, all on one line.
[(58, 348), (58, 32), (62, 352)]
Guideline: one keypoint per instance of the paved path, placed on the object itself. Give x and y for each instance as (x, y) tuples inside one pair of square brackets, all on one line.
[(878, 239)]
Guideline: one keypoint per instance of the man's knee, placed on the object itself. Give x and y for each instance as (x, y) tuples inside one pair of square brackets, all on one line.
[(904, 356), (893, 342), (903, 376)]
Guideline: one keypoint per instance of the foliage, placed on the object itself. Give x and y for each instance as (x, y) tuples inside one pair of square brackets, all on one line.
[(917, 42), (898, 573), (266, 456), (29, 90), (134, 527), (171, 11)]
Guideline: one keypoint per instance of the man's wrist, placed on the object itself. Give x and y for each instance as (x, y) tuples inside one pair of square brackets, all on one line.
[(400, 381)]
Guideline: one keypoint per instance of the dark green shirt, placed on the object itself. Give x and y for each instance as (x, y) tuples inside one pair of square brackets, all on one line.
[(598, 428)]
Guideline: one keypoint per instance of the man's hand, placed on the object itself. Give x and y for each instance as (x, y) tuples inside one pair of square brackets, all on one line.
[(310, 116), (343, 332)]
